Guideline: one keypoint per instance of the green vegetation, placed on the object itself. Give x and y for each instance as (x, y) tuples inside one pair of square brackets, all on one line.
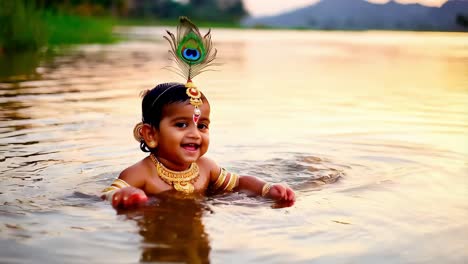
[(175, 22), (24, 26), (21, 27), (30, 25), (70, 29), (198, 10), (205, 13)]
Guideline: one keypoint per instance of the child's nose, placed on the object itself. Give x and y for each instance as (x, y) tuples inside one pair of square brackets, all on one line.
[(194, 132)]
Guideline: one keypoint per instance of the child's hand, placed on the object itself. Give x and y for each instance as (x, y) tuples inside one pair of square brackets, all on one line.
[(282, 192), (128, 197)]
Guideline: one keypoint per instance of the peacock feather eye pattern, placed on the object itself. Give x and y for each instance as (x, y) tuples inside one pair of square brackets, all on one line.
[(191, 49)]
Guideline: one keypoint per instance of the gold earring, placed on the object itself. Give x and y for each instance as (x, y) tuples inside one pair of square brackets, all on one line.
[(137, 132), (152, 144)]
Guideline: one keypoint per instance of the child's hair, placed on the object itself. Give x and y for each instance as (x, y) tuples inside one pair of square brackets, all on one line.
[(156, 99)]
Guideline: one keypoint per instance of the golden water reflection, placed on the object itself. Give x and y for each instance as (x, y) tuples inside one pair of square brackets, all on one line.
[(172, 230)]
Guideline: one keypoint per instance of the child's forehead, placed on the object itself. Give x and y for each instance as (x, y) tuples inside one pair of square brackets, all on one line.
[(185, 109)]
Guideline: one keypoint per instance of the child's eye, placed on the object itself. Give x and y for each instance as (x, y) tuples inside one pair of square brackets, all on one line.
[(202, 126), (181, 124)]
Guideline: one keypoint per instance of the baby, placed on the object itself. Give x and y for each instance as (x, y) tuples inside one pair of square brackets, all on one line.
[(175, 132)]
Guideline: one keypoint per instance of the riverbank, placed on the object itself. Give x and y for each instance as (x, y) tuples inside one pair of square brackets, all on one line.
[(175, 22)]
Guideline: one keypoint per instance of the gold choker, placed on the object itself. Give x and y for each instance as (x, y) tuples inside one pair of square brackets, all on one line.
[(180, 180)]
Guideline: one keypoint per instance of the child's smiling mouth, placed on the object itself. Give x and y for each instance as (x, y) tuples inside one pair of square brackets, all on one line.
[(191, 146)]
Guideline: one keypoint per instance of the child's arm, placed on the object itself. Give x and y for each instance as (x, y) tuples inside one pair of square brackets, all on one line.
[(276, 191), (126, 191), (224, 181)]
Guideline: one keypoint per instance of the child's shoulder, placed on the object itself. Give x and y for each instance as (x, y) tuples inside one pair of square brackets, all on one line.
[(209, 165), (206, 162), (136, 174)]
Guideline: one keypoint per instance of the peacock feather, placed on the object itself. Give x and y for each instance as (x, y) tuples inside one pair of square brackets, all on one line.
[(191, 52)]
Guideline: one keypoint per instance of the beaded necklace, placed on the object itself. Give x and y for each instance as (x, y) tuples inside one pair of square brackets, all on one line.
[(180, 180)]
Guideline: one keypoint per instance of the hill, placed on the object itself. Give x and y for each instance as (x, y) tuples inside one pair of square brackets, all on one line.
[(362, 15)]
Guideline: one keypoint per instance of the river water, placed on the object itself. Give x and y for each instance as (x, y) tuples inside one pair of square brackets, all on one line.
[(369, 128)]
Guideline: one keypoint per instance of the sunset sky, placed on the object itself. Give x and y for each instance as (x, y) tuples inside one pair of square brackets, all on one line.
[(270, 7)]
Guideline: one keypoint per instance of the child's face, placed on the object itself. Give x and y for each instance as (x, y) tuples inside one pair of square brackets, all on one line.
[(180, 141)]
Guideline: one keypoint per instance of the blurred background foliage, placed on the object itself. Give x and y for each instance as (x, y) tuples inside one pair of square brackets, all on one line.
[(207, 10), (27, 25), (35, 25), (21, 26)]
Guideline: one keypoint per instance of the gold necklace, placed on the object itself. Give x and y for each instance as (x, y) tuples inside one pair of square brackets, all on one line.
[(180, 180)]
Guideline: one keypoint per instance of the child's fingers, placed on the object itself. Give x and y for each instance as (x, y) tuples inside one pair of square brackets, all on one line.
[(116, 199), (278, 192), (138, 197), (290, 195), (128, 198), (284, 191), (126, 201), (133, 197)]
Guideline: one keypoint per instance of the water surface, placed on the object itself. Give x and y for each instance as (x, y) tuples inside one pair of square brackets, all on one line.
[(369, 128)]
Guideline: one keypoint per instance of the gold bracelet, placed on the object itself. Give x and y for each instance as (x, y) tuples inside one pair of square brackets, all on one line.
[(120, 183), (108, 195), (108, 192), (266, 189), (109, 189)]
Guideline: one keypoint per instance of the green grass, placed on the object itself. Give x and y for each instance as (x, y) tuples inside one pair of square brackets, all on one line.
[(68, 29), (21, 27), (24, 27)]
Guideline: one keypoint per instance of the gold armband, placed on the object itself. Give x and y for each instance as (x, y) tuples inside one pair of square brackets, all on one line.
[(221, 177), (109, 191), (233, 182), (226, 182)]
